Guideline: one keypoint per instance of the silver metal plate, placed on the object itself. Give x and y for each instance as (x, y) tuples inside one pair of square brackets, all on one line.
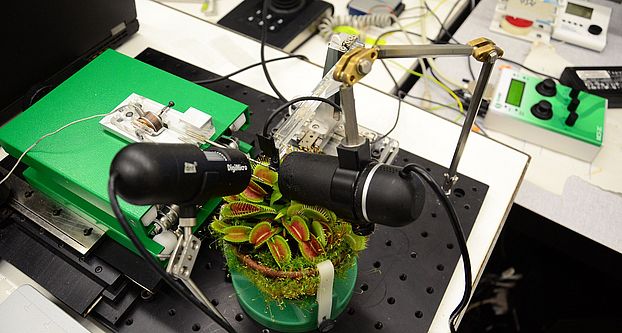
[(74, 230)]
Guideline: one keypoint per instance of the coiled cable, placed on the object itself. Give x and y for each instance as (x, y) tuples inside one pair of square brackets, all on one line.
[(328, 24)]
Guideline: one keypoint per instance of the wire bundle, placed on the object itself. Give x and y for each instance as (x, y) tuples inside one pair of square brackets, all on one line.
[(328, 24)]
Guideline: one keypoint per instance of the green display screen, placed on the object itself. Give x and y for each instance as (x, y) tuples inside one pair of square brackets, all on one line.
[(515, 93), (579, 10)]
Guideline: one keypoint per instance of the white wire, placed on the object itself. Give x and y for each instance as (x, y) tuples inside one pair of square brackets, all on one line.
[(45, 136)]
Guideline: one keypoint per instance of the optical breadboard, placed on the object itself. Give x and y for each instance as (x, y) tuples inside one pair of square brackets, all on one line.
[(72, 166), (548, 114)]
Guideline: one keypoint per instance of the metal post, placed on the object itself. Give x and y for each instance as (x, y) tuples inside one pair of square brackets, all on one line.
[(351, 125), (451, 177)]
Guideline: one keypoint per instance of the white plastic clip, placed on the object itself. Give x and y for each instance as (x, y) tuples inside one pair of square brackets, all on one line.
[(325, 291)]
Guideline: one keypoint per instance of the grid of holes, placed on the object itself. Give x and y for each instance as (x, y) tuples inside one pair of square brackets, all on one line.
[(390, 300)]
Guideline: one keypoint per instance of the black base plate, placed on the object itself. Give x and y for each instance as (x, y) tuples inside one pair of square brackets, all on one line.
[(403, 274)]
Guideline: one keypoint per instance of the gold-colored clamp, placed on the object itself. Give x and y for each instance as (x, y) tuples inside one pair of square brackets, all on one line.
[(483, 49), (354, 65)]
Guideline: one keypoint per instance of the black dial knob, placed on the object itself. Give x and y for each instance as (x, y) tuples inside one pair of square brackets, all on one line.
[(542, 110), (573, 105), (547, 88), (574, 93), (594, 29), (571, 119)]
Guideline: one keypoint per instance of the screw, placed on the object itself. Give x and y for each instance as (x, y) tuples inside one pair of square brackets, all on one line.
[(87, 231), (56, 212), (29, 194), (364, 66), (98, 269)]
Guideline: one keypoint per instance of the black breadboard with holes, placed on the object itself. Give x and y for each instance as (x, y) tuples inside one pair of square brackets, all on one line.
[(402, 277)]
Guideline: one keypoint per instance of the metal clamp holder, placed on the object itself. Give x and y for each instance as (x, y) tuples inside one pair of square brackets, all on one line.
[(357, 62), (183, 258)]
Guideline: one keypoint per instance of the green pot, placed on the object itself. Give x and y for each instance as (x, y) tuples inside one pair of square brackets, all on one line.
[(291, 315)]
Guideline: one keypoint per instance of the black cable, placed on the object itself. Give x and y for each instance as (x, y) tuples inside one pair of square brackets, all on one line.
[(457, 228), (294, 101), (155, 266), (400, 96), (224, 77), (264, 33), (527, 68), (451, 36)]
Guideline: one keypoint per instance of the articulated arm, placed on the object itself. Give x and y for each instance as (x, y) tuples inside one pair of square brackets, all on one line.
[(357, 63)]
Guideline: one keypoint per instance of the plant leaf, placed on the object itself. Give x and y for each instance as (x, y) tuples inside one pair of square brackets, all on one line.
[(311, 248), (244, 209), (312, 212), (279, 249), (276, 195), (294, 209), (236, 234), (261, 233), (264, 173), (356, 242), (318, 231), (281, 213), (219, 226), (297, 227), (253, 192), (232, 198)]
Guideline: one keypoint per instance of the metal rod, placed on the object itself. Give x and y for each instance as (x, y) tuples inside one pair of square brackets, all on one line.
[(194, 289), (351, 125), (418, 51), (451, 177)]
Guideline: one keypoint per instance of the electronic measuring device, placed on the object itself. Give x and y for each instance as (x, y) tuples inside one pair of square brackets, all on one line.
[(574, 21), (554, 116), (583, 23)]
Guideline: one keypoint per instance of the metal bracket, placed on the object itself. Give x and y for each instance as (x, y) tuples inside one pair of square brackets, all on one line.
[(182, 262), (70, 227)]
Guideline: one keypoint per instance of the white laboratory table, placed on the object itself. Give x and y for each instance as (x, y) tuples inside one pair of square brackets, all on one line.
[(584, 197), (315, 48)]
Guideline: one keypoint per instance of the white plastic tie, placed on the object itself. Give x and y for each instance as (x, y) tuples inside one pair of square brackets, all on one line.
[(325, 290)]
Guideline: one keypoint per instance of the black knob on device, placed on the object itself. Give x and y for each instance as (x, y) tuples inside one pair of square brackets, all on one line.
[(574, 93), (572, 119), (547, 88), (573, 105), (595, 29), (542, 110)]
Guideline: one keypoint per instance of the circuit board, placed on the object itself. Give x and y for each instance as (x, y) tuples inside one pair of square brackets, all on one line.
[(72, 166)]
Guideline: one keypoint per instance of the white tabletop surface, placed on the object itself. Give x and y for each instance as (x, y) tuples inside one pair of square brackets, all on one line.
[(222, 51), (315, 47), (584, 197)]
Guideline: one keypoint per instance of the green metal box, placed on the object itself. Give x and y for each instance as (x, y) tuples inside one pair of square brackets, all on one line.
[(73, 165)]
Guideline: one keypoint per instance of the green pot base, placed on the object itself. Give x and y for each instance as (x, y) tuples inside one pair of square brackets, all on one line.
[(291, 315)]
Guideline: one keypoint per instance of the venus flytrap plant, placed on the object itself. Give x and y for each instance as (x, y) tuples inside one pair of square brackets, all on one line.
[(278, 237)]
